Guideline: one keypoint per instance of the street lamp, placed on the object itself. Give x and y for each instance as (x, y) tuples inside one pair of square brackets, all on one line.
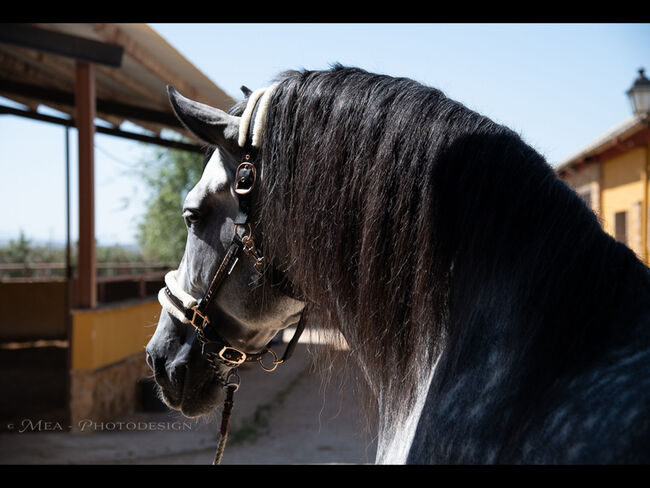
[(640, 94)]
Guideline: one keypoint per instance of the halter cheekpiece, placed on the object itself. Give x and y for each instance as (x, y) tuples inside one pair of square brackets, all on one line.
[(187, 309)]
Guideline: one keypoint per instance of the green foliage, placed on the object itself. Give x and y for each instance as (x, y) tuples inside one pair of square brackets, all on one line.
[(23, 251), (117, 254), (170, 175), (17, 251)]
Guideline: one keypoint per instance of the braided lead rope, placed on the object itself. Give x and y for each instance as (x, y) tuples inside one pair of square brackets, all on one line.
[(231, 385), (231, 388)]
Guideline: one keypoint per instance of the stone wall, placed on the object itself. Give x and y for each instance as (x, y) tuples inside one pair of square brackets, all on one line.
[(106, 393)]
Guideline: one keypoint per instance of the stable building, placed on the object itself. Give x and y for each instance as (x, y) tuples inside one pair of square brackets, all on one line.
[(612, 173), (75, 345)]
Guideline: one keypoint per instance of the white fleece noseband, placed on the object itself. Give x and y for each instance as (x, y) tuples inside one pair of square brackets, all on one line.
[(188, 300)]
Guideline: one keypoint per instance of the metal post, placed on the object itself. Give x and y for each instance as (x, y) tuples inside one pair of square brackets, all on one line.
[(68, 281), (644, 210), (85, 121), (68, 261)]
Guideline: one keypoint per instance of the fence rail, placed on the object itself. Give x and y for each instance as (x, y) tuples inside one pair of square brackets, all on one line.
[(115, 281), (121, 265), (35, 270)]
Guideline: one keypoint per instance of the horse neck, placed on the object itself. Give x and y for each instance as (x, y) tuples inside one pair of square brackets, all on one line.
[(539, 292), (497, 232)]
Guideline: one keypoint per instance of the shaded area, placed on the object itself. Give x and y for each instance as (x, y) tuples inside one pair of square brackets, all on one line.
[(34, 386), (290, 416)]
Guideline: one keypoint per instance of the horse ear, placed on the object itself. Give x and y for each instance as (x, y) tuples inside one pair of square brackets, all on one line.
[(209, 124), (246, 91)]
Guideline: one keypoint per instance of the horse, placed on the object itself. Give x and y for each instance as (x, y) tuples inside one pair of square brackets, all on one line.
[(490, 316)]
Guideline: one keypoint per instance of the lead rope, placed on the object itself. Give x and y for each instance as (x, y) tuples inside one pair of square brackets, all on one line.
[(231, 388)]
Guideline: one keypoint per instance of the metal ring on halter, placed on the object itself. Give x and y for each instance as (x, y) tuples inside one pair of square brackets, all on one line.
[(247, 225), (249, 244), (249, 247), (234, 384), (276, 361)]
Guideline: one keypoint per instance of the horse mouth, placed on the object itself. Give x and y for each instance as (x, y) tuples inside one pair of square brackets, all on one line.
[(198, 392)]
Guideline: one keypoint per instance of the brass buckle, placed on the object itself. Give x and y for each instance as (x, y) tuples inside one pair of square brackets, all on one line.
[(241, 180), (204, 318), (232, 356)]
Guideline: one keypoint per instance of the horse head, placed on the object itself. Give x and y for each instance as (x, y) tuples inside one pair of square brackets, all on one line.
[(249, 308)]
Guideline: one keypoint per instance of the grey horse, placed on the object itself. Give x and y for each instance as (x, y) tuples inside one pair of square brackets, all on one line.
[(491, 317)]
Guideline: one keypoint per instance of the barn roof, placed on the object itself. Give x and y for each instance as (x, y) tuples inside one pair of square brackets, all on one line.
[(133, 65)]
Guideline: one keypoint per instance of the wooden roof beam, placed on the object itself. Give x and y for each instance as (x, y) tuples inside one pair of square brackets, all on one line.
[(75, 47), (21, 66), (70, 122), (114, 34), (136, 89), (131, 112), (46, 68)]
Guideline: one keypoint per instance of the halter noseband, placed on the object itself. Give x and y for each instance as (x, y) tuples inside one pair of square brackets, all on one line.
[(186, 308)]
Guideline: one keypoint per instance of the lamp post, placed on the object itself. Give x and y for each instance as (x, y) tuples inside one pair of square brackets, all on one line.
[(639, 94)]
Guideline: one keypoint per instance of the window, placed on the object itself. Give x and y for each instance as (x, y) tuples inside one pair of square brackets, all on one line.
[(620, 226)]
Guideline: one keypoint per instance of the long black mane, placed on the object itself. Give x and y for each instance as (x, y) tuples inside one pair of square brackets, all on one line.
[(416, 226)]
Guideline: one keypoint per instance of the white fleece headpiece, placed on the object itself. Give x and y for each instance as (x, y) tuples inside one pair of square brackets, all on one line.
[(260, 116)]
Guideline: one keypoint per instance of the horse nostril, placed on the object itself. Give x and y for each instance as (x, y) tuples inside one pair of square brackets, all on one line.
[(177, 370)]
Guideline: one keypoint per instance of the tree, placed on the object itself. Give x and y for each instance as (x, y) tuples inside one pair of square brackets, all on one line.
[(170, 174), (18, 251)]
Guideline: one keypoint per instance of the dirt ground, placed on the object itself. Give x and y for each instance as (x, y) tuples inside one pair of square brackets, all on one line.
[(285, 417)]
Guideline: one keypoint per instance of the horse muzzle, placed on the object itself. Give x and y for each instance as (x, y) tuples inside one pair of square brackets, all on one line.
[(187, 381)]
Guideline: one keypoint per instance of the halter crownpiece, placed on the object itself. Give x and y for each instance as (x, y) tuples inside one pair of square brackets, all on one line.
[(189, 310)]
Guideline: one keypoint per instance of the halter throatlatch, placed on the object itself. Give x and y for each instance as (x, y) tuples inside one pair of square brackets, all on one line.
[(187, 309)]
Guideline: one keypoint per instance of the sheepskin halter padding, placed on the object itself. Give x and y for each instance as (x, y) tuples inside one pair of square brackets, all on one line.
[(264, 96), (260, 116)]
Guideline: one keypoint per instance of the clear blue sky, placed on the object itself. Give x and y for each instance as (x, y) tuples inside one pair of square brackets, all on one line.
[(559, 85)]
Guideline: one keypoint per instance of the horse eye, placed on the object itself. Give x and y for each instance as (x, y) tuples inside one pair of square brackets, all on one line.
[(191, 216)]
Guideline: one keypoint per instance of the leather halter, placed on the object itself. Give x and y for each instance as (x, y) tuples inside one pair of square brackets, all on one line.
[(214, 346)]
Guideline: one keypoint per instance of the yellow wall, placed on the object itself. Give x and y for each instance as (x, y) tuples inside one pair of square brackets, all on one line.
[(104, 336), (621, 190), (32, 310)]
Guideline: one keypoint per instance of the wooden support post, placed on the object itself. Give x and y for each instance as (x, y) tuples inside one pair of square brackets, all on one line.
[(85, 120)]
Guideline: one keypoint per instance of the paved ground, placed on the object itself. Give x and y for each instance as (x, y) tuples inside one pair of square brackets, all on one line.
[(284, 417)]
